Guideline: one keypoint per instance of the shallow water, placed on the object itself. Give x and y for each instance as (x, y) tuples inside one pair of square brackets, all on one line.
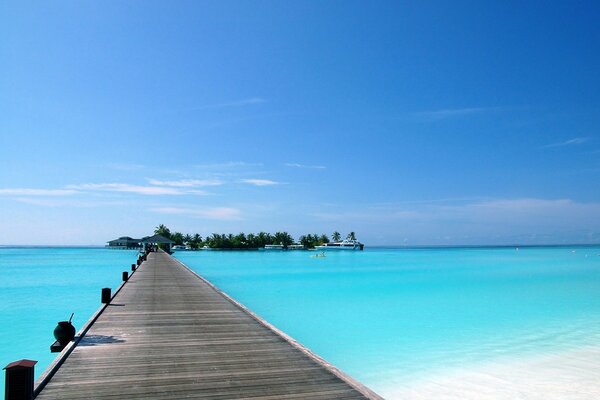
[(402, 321), (390, 317), (41, 286)]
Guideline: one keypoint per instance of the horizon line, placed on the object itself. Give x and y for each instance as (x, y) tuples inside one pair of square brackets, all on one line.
[(403, 246)]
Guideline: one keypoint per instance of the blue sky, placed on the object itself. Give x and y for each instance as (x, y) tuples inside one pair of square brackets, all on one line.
[(410, 123)]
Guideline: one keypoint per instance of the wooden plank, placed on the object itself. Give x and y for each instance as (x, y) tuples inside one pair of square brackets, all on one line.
[(169, 334)]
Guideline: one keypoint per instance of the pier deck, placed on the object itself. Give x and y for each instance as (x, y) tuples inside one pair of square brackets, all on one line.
[(168, 334)]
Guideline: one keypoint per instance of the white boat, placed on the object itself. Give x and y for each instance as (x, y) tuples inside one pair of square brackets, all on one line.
[(346, 244), (274, 247), (178, 247)]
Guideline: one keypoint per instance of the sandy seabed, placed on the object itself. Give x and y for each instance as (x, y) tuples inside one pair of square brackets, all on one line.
[(570, 375)]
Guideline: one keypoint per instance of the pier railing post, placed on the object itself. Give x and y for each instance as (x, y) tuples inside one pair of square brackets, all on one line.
[(132, 267), (106, 295), (19, 380), (125, 276)]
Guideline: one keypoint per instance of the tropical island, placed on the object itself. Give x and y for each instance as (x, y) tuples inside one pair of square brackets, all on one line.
[(240, 241)]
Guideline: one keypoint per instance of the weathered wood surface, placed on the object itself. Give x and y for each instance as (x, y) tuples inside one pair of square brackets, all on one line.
[(168, 335)]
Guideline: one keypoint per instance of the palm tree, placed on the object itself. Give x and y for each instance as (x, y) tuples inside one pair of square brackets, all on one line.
[(251, 239), (264, 238), (177, 237), (214, 241), (336, 236), (283, 238), (163, 231), (239, 241), (351, 236), (304, 241)]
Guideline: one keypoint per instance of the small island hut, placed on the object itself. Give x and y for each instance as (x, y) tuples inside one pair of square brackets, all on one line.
[(158, 240), (125, 242)]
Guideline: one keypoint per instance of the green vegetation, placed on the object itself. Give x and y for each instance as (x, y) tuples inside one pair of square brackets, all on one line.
[(244, 241), (310, 241), (163, 231)]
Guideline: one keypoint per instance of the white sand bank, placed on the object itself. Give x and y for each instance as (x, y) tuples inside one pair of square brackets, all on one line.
[(567, 375)]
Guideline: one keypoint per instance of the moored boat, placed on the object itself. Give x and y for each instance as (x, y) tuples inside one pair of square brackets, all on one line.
[(274, 247), (347, 244)]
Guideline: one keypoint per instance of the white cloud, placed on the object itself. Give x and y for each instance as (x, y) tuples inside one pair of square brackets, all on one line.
[(170, 188), (37, 192), (260, 182), (492, 221), (296, 165), (187, 182), (136, 189), (522, 205), (61, 202), (570, 142), (219, 213)]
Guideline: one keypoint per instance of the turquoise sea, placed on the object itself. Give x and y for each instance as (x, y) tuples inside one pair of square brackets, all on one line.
[(386, 316), (40, 286), (389, 317)]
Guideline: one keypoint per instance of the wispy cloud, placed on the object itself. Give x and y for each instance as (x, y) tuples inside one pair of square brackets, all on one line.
[(136, 189), (452, 112), (490, 212), (260, 182), (37, 192), (158, 188), (522, 205), (187, 182), (296, 165), (497, 209), (68, 202), (219, 213), (570, 142), (491, 221)]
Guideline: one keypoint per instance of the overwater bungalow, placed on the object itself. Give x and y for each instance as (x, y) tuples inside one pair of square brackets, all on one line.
[(158, 241), (125, 242)]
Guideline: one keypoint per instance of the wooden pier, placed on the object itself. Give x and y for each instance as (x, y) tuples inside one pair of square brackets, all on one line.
[(169, 334)]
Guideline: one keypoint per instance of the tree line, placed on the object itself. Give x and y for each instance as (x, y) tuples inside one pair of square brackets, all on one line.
[(246, 241)]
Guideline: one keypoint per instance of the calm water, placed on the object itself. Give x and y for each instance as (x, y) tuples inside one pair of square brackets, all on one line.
[(389, 316), (385, 316), (41, 286)]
